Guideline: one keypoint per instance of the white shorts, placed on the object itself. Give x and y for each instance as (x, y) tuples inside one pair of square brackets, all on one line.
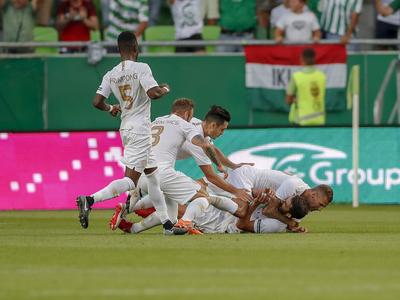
[(214, 220), (138, 153), (267, 225), (175, 185)]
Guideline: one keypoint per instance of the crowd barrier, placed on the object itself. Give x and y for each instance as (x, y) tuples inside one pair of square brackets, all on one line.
[(48, 170)]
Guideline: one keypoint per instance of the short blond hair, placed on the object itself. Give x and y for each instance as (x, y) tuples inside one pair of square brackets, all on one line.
[(182, 104)]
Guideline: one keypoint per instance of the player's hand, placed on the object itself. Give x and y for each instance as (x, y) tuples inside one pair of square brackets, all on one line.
[(165, 87), (243, 195), (298, 229), (221, 169), (261, 198), (292, 225), (242, 164), (115, 110)]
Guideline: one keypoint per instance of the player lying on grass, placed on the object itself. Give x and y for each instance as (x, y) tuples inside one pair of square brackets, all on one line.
[(169, 134), (213, 220), (284, 186)]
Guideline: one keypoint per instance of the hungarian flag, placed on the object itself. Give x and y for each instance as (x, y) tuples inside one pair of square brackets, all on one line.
[(269, 68)]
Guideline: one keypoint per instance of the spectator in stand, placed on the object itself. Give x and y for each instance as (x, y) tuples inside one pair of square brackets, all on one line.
[(75, 19), (211, 11), (127, 15), (278, 12), (43, 13), (154, 11), (298, 25), (339, 19), (188, 22), (387, 26), (18, 22), (238, 22)]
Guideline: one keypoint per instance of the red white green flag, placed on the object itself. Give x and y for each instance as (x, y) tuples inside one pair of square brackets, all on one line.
[(269, 68)]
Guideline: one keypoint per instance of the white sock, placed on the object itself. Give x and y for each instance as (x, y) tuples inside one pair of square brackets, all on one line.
[(114, 189), (157, 197), (224, 204), (143, 203), (147, 223), (195, 209)]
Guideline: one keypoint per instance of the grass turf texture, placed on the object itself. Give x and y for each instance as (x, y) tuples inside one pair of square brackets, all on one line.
[(349, 254)]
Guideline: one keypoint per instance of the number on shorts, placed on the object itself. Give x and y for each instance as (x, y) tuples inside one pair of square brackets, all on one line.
[(155, 133), (125, 90)]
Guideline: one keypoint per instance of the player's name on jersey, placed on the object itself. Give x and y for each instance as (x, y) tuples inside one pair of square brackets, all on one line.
[(166, 121), (124, 78)]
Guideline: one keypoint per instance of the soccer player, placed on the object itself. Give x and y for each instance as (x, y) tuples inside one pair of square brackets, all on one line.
[(214, 220), (283, 185), (133, 85), (169, 134)]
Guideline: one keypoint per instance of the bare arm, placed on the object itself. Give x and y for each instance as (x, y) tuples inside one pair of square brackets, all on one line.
[(158, 91), (227, 162), (279, 35), (99, 103), (290, 99), (382, 9), (140, 29), (92, 22), (208, 149), (272, 211), (223, 184), (316, 36), (353, 24), (244, 223)]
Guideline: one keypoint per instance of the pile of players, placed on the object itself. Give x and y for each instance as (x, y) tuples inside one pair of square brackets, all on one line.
[(240, 198)]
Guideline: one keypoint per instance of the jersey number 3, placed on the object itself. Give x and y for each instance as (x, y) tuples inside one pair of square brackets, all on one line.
[(155, 134), (125, 90)]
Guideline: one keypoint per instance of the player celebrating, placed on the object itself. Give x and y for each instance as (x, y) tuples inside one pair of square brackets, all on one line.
[(133, 85), (283, 185), (169, 134)]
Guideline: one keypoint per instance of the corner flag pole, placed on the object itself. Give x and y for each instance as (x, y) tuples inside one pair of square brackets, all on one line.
[(355, 91)]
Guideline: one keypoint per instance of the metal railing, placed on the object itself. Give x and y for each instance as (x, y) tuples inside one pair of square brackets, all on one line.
[(244, 42)]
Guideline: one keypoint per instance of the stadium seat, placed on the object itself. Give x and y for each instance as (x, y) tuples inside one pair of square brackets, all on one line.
[(211, 33), (45, 34), (160, 33), (95, 35)]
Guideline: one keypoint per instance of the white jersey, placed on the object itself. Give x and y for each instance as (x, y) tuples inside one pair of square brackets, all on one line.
[(214, 220), (187, 15), (249, 178), (129, 81), (190, 150), (169, 133)]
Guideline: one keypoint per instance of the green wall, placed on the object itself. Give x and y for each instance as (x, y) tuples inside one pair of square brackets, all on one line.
[(63, 101)]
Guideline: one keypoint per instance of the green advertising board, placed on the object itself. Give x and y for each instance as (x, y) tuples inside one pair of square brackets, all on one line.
[(320, 156)]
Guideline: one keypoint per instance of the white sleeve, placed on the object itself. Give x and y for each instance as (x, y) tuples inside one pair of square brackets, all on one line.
[(105, 88), (146, 78), (281, 22), (314, 22), (197, 153), (189, 130), (358, 6), (267, 225)]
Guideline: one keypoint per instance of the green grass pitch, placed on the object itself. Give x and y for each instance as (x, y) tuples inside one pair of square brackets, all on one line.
[(348, 254)]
